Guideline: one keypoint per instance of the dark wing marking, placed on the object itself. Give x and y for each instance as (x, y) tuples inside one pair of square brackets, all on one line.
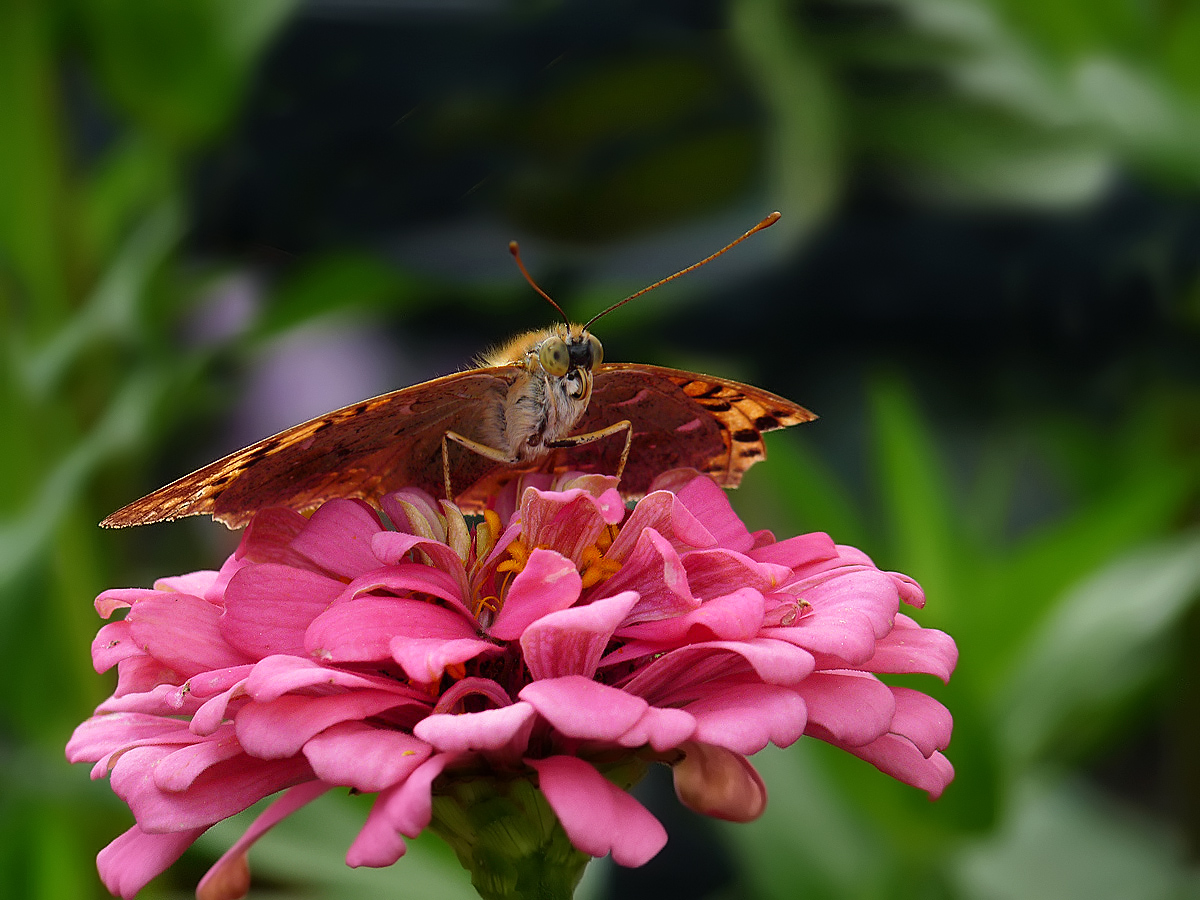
[(363, 450), (679, 419)]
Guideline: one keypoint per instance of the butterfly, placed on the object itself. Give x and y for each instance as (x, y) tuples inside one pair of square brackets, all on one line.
[(545, 401)]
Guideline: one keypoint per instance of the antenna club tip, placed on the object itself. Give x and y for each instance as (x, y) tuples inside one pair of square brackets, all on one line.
[(774, 217), (514, 250)]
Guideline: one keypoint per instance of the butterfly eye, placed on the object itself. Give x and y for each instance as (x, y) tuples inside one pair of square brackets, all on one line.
[(554, 357), (597, 351)]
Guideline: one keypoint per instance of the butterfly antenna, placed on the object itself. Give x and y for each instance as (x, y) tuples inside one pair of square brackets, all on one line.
[(516, 252), (765, 223)]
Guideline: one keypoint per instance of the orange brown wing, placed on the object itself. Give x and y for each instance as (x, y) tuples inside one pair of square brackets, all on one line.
[(679, 419), (365, 450)]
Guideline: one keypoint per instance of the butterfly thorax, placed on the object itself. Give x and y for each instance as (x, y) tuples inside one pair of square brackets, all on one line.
[(549, 394)]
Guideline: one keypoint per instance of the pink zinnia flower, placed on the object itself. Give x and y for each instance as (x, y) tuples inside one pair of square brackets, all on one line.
[(564, 641)]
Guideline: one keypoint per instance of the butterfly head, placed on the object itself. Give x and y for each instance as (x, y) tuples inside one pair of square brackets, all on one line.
[(566, 355)]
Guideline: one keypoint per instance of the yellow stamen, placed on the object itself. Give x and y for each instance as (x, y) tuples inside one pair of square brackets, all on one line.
[(519, 556), (457, 671), (595, 568)]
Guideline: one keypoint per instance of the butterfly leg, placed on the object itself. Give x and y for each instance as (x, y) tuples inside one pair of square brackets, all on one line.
[(482, 449), (577, 440)]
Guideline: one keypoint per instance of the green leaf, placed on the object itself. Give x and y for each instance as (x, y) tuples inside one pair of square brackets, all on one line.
[(1062, 842), (1102, 641), (804, 161)]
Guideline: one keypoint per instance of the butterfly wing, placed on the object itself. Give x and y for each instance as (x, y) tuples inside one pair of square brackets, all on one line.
[(363, 450), (680, 419)]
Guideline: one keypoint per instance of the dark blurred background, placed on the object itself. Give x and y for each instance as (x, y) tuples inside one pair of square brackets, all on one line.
[(220, 218)]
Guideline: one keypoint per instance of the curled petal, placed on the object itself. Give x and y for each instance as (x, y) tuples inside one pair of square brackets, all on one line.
[(571, 641), (338, 537), (568, 521), (704, 498), (899, 757), (424, 660), (847, 708), (719, 783), (229, 876), (797, 552), (362, 630), (401, 810), (278, 728), (130, 862), (911, 649), (922, 720), (598, 816), (491, 729), (653, 568), (744, 718), (548, 582), (581, 708), (734, 616), (364, 757), (221, 791)]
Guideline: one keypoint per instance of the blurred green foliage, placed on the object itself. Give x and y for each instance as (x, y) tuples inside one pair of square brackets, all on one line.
[(1074, 627)]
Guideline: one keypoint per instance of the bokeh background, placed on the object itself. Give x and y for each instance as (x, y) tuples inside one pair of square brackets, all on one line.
[(218, 218)]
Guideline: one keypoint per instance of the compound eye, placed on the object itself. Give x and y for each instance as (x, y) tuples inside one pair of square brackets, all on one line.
[(554, 357), (597, 351)]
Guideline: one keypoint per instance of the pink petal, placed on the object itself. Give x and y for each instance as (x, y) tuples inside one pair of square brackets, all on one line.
[(113, 599), (139, 674), (278, 675), (571, 641), (229, 876), (899, 757), (338, 537), (705, 499), (548, 582), (362, 630), (566, 521), (392, 548), (797, 552), (130, 862), (178, 770), (223, 790), (909, 648), (269, 536), (922, 720), (910, 592), (869, 591), (735, 616), (719, 783), (278, 729), (100, 736), (407, 578), (715, 572), (598, 816), (660, 729), (490, 729), (681, 674), (425, 660), (581, 708), (415, 511), (656, 572), (268, 607), (195, 583), (364, 757), (839, 638), (182, 632), (744, 718), (847, 708), (405, 809), (667, 516)]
